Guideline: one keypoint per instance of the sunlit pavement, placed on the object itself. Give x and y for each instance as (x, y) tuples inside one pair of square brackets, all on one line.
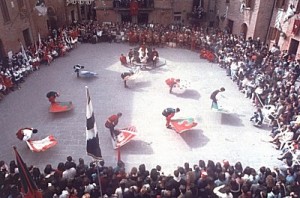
[(218, 136)]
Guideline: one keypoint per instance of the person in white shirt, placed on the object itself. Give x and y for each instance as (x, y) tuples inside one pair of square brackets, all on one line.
[(25, 134)]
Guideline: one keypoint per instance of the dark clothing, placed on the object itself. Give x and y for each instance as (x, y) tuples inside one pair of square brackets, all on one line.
[(214, 95), (52, 96), (168, 111), (125, 76)]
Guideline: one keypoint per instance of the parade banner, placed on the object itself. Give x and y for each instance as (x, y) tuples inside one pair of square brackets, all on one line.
[(92, 139)]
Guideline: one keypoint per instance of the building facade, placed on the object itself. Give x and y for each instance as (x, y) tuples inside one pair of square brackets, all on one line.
[(21, 21), (276, 22)]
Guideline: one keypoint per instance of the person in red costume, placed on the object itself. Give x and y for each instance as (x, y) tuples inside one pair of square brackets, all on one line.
[(171, 82), (169, 113), (123, 59), (111, 122)]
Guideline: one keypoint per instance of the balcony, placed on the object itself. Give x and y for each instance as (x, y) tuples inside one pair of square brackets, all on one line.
[(124, 5)]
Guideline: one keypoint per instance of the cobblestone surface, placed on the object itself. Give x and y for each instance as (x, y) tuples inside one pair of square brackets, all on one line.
[(217, 136)]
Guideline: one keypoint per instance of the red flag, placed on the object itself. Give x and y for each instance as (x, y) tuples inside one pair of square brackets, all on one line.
[(29, 187), (184, 124), (134, 7), (296, 27), (125, 136)]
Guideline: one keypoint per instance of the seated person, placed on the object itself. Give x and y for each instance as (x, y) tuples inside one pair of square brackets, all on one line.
[(123, 59), (257, 118)]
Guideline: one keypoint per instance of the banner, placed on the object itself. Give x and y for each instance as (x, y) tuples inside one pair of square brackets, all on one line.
[(29, 187), (296, 27), (134, 7), (92, 139), (41, 7)]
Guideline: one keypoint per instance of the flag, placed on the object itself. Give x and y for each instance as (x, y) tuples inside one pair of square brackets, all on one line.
[(23, 52), (41, 7), (278, 20), (125, 136), (42, 145), (92, 139), (134, 7), (29, 187), (296, 27), (289, 13), (226, 13), (40, 41), (184, 124)]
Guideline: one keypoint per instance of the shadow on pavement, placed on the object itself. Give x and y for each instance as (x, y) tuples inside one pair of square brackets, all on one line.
[(61, 115), (189, 93), (137, 147), (231, 119), (194, 138), (137, 86)]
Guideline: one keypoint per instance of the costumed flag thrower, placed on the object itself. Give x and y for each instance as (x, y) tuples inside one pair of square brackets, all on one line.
[(29, 188), (92, 139)]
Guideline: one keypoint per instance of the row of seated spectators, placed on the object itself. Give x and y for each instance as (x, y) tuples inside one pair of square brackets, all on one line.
[(268, 77), (202, 180), (17, 66)]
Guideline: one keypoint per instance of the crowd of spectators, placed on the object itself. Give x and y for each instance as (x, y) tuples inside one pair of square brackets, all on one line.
[(266, 75), (201, 180)]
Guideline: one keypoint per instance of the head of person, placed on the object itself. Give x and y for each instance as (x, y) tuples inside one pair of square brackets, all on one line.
[(177, 109), (34, 131), (177, 80), (119, 114), (222, 89)]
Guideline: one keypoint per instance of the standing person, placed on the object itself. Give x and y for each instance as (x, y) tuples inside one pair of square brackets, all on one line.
[(125, 76), (52, 96), (171, 82), (131, 56), (111, 122), (123, 59), (169, 113), (25, 134), (213, 97), (154, 56)]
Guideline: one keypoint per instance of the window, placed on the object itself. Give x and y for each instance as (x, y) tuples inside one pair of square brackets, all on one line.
[(21, 4), (281, 4), (248, 3), (298, 8), (227, 1), (22, 8), (4, 11), (273, 33)]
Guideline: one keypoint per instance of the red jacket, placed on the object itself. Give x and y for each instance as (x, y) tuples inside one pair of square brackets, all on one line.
[(171, 82), (112, 121)]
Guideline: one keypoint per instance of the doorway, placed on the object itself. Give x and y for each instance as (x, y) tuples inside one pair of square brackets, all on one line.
[(143, 18), (293, 46), (244, 29), (26, 36), (126, 18), (230, 26), (2, 53)]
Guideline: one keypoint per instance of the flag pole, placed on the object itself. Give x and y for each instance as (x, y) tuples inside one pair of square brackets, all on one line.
[(118, 154), (99, 180)]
